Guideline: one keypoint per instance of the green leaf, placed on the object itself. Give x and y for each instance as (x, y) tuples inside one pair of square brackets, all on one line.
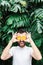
[(1, 49), (15, 8), (36, 1), (39, 29), (38, 12), (4, 28), (8, 38), (10, 31), (4, 37), (10, 20), (6, 3), (20, 23), (0, 15), (14, 1), (38, 42)]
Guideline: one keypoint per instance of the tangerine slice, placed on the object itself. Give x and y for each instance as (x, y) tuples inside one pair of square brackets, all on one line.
[(23, 38), (18, 37)]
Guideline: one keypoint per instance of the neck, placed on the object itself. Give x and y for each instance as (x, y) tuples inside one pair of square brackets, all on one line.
[(22, 46)]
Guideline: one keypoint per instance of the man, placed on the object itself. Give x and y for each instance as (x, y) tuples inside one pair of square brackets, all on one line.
[(22, 55)]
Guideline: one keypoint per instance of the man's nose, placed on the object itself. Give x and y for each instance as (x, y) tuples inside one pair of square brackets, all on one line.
[(21, 40)]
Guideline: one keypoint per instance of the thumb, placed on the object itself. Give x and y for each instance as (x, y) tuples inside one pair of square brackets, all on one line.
[(13, 33)]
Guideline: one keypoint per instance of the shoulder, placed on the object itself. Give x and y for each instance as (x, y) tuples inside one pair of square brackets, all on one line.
[(30, 50), (13, 47), (28, 47)]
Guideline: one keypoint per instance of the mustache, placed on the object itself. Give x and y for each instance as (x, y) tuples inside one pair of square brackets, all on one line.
[(21, 41)]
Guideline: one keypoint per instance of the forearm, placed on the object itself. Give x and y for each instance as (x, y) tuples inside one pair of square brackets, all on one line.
[(35, 50), (6, 50)]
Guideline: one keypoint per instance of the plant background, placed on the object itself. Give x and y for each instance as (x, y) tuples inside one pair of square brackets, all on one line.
[(27, 14)]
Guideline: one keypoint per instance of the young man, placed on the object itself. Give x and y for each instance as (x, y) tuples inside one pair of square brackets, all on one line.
[(22, 55)]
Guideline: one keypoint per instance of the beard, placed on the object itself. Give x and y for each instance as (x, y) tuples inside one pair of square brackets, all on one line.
[(21, 43)]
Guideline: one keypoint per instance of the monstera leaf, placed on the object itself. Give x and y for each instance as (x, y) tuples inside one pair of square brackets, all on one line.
[(18, 20), (39, 26), (14, 5), (39, 13), (10, 20), (15, 8), (37, 20), (36, 1), (13, 22), (18, 5), (5, 5)]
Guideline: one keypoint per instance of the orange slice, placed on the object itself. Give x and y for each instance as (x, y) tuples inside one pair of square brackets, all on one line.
[(23, 37), (18, 37)]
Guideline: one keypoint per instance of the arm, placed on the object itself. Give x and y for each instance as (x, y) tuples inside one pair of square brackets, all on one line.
[(5, 54), (36, 53)]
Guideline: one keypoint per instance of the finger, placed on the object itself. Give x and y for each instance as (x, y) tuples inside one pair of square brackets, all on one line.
[(26, 32), (15, 34), (29, 33), (16, 40), (25, 40), (12, 34)]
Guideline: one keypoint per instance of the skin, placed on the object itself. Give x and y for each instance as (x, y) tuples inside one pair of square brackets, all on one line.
[(5, 54)]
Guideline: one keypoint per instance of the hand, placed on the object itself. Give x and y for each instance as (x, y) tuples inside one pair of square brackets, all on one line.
[(14, 38), (28, 37)]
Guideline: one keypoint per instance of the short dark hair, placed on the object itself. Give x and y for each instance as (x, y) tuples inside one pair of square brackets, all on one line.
[(21, 30)]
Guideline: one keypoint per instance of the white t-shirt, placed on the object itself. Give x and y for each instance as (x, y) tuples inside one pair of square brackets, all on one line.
[(21, 56)]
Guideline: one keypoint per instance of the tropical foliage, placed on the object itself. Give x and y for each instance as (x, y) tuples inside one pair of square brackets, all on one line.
[(27, 14)]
